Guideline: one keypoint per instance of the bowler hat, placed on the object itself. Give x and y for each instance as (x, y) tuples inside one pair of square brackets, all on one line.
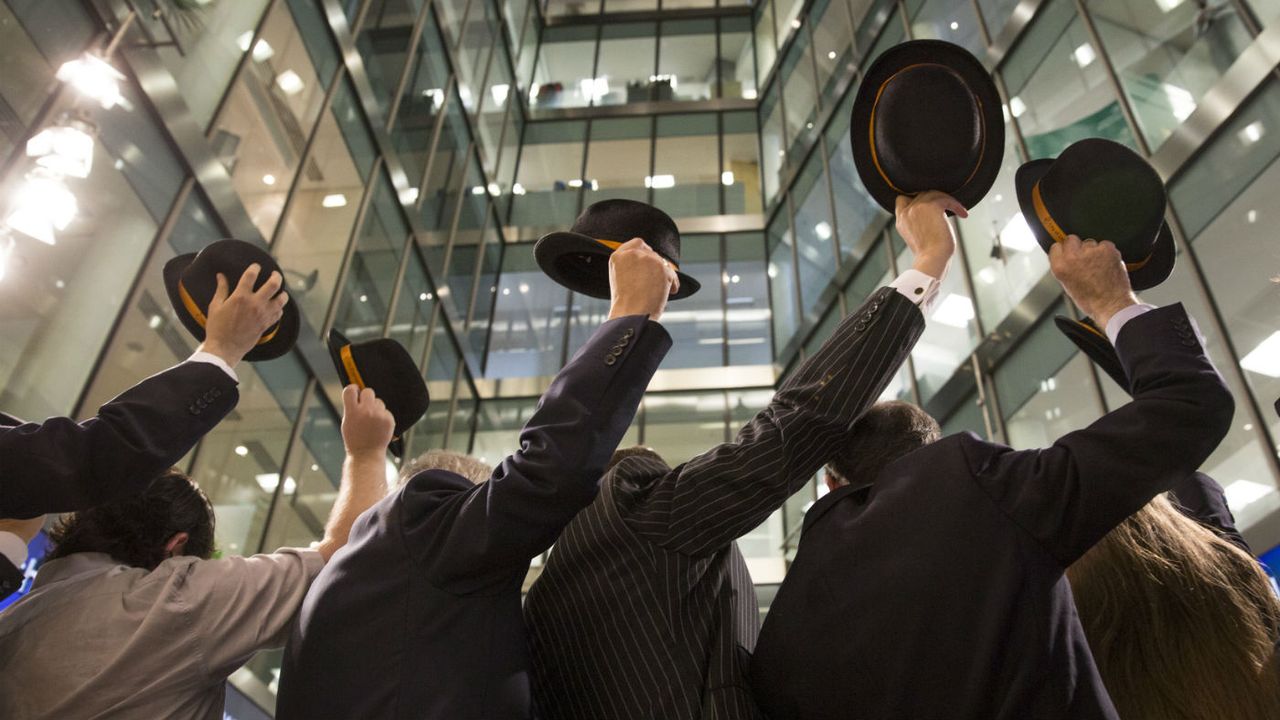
[(7, 420), (927, 117), (1101, 190), (386, 367), (579, 258), (1091, 340), (192, 279)]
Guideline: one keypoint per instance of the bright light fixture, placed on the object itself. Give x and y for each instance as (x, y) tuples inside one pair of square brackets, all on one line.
[(494, 190), (436, 95), (241, 450), (726, 178), (269, 481), (290, 82), (954, 310), (524, 288), (1245, 492), (6, 250), (988, 275), (1251, 216), (477, 190), (575, 183), (268, 179), (955, 25), (831, 55), (262, 50), (154, 322), (422, 297), (364, 298), (506, 291), (1017, 235), (823, 230), (94, 78), (595, 184), (517, 189), (1252, 133), (500, 93), (1265, 358), (749, 94), (796, 23), (335, 200), (594, 88), (1181, 101), (1016, 106), (408, 196), (464, 93), (660, 182), (1168, 5), (42, 205), (65, 149), (1084, 55)]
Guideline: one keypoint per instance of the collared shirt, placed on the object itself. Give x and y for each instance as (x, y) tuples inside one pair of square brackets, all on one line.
[(97, 639)]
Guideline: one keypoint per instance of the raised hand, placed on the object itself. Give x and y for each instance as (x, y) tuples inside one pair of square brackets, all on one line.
[(640, 281), (237, 320), (1094, 276), (922, 222), (367, 425)]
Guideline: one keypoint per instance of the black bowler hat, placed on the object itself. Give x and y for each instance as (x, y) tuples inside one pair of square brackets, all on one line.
[(927, 117), (1101, 190), (386, 367), (1091, 340), (7, 420), (579, 259), (192, 279)]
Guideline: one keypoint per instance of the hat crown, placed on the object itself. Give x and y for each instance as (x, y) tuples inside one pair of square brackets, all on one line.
[(1102, 190), (620, 220), (384, 365), (927, 129), (230, 258)]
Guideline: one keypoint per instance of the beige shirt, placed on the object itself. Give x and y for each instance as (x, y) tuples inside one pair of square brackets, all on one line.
[(96, 639)]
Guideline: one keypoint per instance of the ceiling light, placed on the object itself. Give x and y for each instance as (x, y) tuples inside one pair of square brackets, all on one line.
[(795, 23), (1265, 358), (594, 88), (1251, 216), (660, 182), (955, 25), (464, 92), (517, 189), (506, 291), (954, 310), (749, 94), (1017, 235), (735, 279), (494, 190), (436, 95), (726, 178), (1168, 5), (154, 322), (479, 189), (988, 275), (1252, 133), (524, 288), (1017, 107), (822, 230), (268, 179), (262, 50), (66, 149), (595, 184), (575, 183), (364, 298), (422, 297), (1084, 55), (94, 78), (500, 93), (241, 450), (1245, 492), (408, 196), (831, 55), (290, 83), (1181, 101), (269, 481), (335, 200), (42, 205)]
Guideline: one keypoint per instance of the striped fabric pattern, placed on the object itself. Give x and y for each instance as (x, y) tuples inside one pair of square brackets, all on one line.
[(645, 609)]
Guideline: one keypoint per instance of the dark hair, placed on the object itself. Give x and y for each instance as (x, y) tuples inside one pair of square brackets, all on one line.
[(634, 451), (134, 530), (885, 433)]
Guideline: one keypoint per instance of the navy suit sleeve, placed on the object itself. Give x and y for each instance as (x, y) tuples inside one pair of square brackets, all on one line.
[(505, 522), (1200, 497), (60, 465), (701, 506), (10, 577), (1068, 496)]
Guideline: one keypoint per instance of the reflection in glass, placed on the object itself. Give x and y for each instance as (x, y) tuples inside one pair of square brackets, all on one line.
[(310, 485), (772, 144), (684, 181), (950, 334), (528, 323), (800, 96), (696, 324), (815, 233), (736, 62), (740, 171), (766, 46), (424, 95), (857, 214), (746, 300), (833, 50), (549, 179), (782, 285), (363, 304), (1044, 388), (562, 76), (628, 53), (949, 20), (687, 60), (383, 43), (618, 160)]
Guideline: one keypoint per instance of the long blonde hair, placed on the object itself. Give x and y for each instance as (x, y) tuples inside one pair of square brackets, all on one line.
[(1181, 622)]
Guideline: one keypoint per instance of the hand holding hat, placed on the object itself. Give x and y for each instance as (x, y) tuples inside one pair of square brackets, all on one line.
[(238, 319), (1093, 275), (384, 374), (922, 222), (640, 281), (366, 423)]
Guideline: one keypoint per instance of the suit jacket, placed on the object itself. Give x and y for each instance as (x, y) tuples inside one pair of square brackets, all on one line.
[(938, 590), (419, 615), (645, 608), (1200, 497), (60, 465)]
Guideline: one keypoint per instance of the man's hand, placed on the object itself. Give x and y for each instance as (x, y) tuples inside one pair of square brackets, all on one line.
[(237, 320), (640, 281), (25, 529), (1094, 276), (366, 423), (922, 222)]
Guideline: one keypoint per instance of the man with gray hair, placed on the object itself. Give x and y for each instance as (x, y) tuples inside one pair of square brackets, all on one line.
[(420, 617)]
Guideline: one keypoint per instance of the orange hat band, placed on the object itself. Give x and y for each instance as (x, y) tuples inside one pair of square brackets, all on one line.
[(198, 315), (614, 245), (1056, 232), (871, 133), (349, 364)]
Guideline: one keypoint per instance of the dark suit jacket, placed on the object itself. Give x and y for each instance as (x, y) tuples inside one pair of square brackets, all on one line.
[(646, 609), (1200, 497), (60, 465), (419, 615), (939, 590)]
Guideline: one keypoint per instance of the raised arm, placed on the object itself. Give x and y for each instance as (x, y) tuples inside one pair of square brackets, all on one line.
[(718, 496), (563, 449), (366, 431), (1201, 498)]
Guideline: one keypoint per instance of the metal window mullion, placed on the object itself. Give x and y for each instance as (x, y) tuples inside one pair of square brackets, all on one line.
[(241, 66), (411, 61), (1130, 116), (982, 24), (349, 251), (436, 131), (295, 433), (357, 23), (398, 288), (305, 156)]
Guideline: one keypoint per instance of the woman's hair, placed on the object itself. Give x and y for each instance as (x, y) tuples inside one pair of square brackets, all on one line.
[(135, 530), (1181, 622), (449, 461)]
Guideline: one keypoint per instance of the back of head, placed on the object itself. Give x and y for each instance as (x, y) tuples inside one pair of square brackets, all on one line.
[(1181, 622), (888, 431), (449, 461), (134, 531)]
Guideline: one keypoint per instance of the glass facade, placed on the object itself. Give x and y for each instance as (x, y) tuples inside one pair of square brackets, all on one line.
[(400, 158)]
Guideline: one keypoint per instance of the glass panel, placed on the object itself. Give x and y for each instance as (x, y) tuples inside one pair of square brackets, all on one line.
[(1167, 55), (618, 159), (441, 369), (782, 291), (814, 232), (514, 12), (766, 48), (383, 43), (498, 428), (411, 323), (451, 13), (884, 20), (486, 292), (493, 112), (362, 306), (823, 330), (554, 8), (949, 336), (617, 6), (800, 96), (628, 52), (1056, 96), (478, 40), (685, 182), (512, 128), (310, 482), (874, 274), (856, 213), (547, 183), (687, 60), (464, 415), (747, 313), (562, 76), (786, 15), (315, 233), (832, 45), (772, 144), (950, 20), (262, 131), (424, 94), (696, 324), (682, 425), (528, 322), (740, 171), (460, 278), (676, 4), (737, 62), (968, 416), (528, 53), (438, 201), (765, 541), (996, 13), (586, 315)]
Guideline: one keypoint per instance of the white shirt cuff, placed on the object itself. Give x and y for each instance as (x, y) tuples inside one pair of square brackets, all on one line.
[(214, 360), (12, 547), (920, 288), (1118, 320)]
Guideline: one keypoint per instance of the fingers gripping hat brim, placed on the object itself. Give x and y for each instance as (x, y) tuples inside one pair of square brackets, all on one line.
[(581, 264)]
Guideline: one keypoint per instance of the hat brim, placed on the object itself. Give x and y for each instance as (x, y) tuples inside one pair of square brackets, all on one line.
[(561, 256), (7, 420), (1093, 342), (335, 342), (975, 76), (1163, 254), (282, 342)]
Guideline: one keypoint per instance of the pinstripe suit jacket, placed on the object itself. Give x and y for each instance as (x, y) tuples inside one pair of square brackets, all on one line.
[(645, 609)]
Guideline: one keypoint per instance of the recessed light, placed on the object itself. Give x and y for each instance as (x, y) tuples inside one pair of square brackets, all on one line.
[(335, 200)]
